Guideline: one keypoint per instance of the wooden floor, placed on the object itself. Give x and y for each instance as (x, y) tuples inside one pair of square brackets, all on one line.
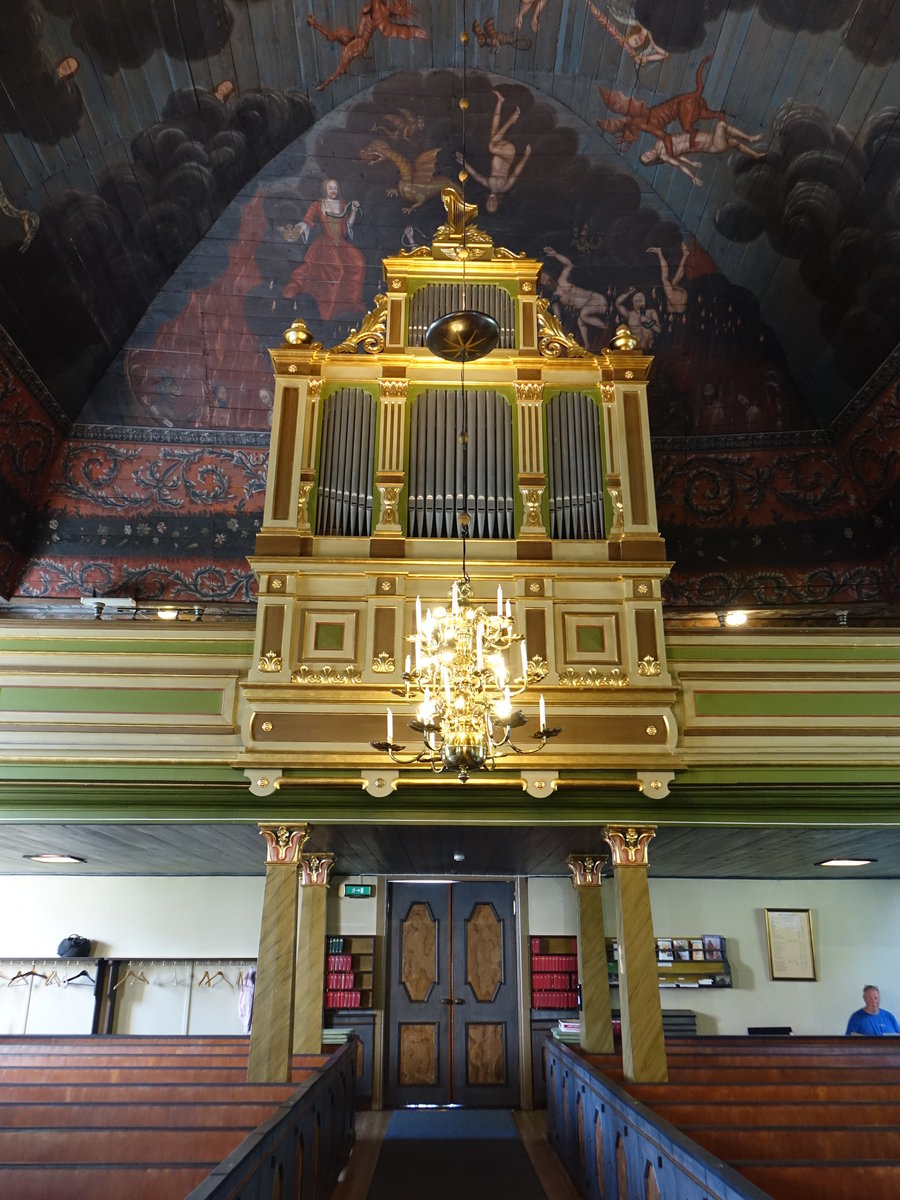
[(532, 1126)]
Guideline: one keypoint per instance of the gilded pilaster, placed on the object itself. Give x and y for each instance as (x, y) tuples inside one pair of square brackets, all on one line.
[(271, 1034), (643, 1043), (531, 480), (309, 983), (596, 1011), (390, 476)]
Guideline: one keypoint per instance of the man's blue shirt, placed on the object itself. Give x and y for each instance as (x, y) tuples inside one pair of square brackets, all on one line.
[(873, 1024)]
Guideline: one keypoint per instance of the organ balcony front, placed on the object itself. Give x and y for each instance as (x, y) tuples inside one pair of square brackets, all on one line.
[(367, 477)]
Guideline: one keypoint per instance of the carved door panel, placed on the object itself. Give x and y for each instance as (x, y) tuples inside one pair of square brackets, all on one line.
[(453, 1019)]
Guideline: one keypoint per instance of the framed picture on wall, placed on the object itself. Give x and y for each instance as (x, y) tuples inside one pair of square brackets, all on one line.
[(789, 935)]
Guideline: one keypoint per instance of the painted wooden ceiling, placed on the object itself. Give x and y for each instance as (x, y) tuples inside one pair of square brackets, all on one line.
[(683, 852), (723, 175)]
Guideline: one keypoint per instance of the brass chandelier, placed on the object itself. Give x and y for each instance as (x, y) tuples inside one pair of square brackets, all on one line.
[(460, 676)]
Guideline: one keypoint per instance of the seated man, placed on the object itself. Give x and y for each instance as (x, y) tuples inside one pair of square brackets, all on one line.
[(872, 1020)]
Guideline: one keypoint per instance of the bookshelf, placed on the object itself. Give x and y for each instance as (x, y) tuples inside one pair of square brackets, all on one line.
[(349, 972), (554, 972)]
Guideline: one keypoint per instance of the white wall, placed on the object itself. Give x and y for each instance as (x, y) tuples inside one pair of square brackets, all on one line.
[(856, 928), (130, 917), (856, 933)]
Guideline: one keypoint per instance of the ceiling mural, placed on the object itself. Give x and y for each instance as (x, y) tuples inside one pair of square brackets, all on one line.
[(180, 179)]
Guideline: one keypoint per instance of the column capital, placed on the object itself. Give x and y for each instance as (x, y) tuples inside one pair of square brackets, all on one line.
[(284, 843), (315, 869), (394, 389), (629, 844), (528, 392), (586, 869)]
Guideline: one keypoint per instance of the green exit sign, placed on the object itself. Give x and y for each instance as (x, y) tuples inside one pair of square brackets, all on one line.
[(358, 891)]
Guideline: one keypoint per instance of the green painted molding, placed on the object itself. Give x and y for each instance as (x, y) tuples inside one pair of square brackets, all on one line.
[(684, 653), (221, 645), (98, 700), (125, 774), (849, 775), (197, 795), (822, 702)]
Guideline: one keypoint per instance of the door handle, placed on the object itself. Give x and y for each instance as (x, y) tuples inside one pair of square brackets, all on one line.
[(450, 1000)]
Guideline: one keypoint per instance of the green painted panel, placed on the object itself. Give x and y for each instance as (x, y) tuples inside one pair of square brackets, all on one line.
[(797, 704), (590, 638), (231, 648), (329, 635), (754, 652), (181, 701)]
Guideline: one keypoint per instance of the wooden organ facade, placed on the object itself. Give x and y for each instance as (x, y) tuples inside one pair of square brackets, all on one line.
[(366, 480)]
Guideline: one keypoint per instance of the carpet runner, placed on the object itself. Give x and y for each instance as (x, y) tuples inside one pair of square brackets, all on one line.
[(453, 1154)]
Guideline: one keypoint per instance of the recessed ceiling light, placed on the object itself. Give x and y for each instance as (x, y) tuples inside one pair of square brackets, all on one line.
[(54, 858), (167, 612), (737, 616), (846, 862), (459, 857)]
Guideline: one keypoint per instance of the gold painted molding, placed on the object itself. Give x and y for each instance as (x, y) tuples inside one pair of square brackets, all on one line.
[(592, 677)]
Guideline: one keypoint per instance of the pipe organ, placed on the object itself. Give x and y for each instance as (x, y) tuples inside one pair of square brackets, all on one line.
[(366, 482)]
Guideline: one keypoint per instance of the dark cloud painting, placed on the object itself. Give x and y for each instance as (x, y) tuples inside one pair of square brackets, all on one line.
[(722, 176)]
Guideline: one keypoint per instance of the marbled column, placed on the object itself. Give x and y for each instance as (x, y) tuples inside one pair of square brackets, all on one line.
[(271, 1034), (643, 1043), (309, 983), (596, 1012)]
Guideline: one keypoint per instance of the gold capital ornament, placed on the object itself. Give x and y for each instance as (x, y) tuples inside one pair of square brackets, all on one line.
[(315, 869), (284, 844), (629, 845), (586, 869)]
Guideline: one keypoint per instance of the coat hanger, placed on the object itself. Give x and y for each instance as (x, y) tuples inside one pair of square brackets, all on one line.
[(21, 976), (71, 979), (132, 975)]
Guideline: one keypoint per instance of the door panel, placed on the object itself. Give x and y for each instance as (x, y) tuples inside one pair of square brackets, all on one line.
[(485, 1025), (453, 1008), (419, 1043)]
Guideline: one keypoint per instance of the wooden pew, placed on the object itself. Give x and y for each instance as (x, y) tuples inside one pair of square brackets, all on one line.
[(864, 1143), (848, 1180), (147, 1118), (803, 1120), (61, 1144), (137, 1181), (752, 1112), (128, 1113)]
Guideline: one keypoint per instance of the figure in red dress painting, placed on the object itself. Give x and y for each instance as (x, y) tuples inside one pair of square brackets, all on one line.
[(334, 269)]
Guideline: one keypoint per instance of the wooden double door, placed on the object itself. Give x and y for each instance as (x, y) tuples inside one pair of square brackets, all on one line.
[(453, 1000)]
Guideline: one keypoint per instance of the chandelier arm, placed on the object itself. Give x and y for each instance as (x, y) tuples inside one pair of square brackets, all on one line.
[(543, 736), (389, 748)]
